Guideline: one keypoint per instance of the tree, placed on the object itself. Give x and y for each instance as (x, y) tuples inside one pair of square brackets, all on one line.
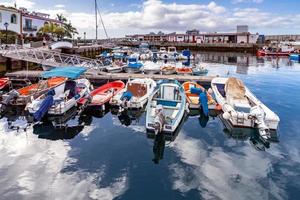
[(53, 30), (61, 18), (69, 30)]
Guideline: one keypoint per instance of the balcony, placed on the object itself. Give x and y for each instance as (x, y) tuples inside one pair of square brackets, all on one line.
[(30, 29)]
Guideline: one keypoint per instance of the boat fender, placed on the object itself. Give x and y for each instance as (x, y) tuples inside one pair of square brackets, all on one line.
[(226, 115)]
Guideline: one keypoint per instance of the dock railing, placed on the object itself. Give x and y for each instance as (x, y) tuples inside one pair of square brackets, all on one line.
[(48, 57)]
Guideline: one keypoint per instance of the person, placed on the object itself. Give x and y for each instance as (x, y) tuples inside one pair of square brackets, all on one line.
[(44, 41)]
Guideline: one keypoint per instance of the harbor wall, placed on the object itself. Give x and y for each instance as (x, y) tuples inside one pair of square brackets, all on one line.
[(216, 47)]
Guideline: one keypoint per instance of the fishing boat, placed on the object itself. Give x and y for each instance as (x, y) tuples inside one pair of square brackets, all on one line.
[(168, 69), (281, 50), (61, 99), (197, 97), (133, 66), (4, 82), (135, 94), (26, 94), (184, 71), (103, 94), (151, 68), (166, 107), (199, 71), (116, 67), (241, 108)]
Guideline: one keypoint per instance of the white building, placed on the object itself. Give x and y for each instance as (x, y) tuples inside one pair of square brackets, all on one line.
[(11, 16), (23, 22)]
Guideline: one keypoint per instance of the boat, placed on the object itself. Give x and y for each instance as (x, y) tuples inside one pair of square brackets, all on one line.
[(241, 108), (280, 50), (4, 82), (168, 69), (103, 94), (133, 66), (26, 94), (184, 71), (261, 53), (199, 71), (135, 94), (295, 57), (151, 68), (197, 97), (166, 107), (61, 99), (172, 53), (116, 67), (162, 53)]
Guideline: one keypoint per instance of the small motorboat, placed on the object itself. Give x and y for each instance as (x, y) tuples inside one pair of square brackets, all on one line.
[(172, 53), (103, 94), (184, 71), (261, 53), (166, 107), (61, 99), (168, 69), (133, 66), (162, 53), (197, 97), (295, 57), (135, 94), (116, 67), (151, 68), (26, 94), (4, 82), (241, 108), (199, 71)]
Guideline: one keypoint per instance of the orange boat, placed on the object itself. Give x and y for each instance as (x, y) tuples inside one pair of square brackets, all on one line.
[(26, 94), (193, 99), (3, 82), (103, 94), (184, 71), (168, 69)]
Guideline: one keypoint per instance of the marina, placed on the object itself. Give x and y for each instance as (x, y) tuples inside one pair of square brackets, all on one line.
[(149, 100)]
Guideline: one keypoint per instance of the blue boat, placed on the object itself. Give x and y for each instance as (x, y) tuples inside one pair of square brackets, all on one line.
[(133, 66), (295, 57)]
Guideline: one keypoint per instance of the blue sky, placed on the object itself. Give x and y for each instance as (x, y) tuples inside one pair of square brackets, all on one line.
[(142, 16)]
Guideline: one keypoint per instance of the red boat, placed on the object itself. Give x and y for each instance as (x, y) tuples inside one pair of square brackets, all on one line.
[(3, 82), (103, 94), (184, 71), (271, 53)]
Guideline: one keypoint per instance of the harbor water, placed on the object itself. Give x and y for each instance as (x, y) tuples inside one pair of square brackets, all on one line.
[(109, 155)]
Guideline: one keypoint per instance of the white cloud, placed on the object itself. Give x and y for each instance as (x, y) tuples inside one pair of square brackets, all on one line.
[(20, 3), (59, 6), (246, 1)]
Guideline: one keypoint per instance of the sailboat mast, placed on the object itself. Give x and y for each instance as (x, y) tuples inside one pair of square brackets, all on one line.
[(96, 15)]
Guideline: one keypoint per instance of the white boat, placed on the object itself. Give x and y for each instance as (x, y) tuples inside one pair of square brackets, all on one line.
[(65, 97), (135, 94), (241, 108), (116, 67), (151, 68), (166, 107), (162, 53), (172, 53)]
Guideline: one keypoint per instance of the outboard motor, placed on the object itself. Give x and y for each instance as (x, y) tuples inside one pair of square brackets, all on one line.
[(159, 119), (11, 95), (125, 98), (259, 116)]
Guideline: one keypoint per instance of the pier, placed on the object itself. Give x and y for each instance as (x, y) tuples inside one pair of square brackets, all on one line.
[(97, 77)]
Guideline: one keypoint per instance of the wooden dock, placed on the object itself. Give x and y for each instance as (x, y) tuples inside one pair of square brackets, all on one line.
[(98, 76)]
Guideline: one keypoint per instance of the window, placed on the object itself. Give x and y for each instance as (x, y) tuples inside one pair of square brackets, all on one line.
[(13, 19), (28, 23), (0, 17)]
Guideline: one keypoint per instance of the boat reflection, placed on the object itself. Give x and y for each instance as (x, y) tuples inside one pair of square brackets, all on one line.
[(250, 134), (128, 116)]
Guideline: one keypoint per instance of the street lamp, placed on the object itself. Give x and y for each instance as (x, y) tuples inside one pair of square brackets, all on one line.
[(84, 37), (6, 26)]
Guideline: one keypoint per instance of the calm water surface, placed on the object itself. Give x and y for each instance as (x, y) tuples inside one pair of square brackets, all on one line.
[(111, 156)]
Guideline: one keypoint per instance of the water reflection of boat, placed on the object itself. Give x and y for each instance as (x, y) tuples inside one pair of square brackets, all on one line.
[(128, 116), (258, 142)]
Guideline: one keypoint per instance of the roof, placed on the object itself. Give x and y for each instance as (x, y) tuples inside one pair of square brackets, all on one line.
[(71, 72), (29, 15)]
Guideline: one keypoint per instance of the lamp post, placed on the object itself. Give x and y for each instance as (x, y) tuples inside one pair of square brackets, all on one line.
[(73, 39), (6, 26), (84, 37)]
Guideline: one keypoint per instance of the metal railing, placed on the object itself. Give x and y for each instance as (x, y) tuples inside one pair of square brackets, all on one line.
[(48, 57)]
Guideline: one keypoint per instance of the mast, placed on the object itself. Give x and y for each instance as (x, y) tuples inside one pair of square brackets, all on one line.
[(96, 15)]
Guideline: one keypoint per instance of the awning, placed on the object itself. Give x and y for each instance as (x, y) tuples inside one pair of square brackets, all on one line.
[(71, 72)]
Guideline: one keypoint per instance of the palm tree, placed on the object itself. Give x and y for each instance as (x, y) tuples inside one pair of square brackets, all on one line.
[(52, 30), (61, 18), (69, 30)]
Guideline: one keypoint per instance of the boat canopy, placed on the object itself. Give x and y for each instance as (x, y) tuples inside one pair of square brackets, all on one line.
[(71, 72)]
